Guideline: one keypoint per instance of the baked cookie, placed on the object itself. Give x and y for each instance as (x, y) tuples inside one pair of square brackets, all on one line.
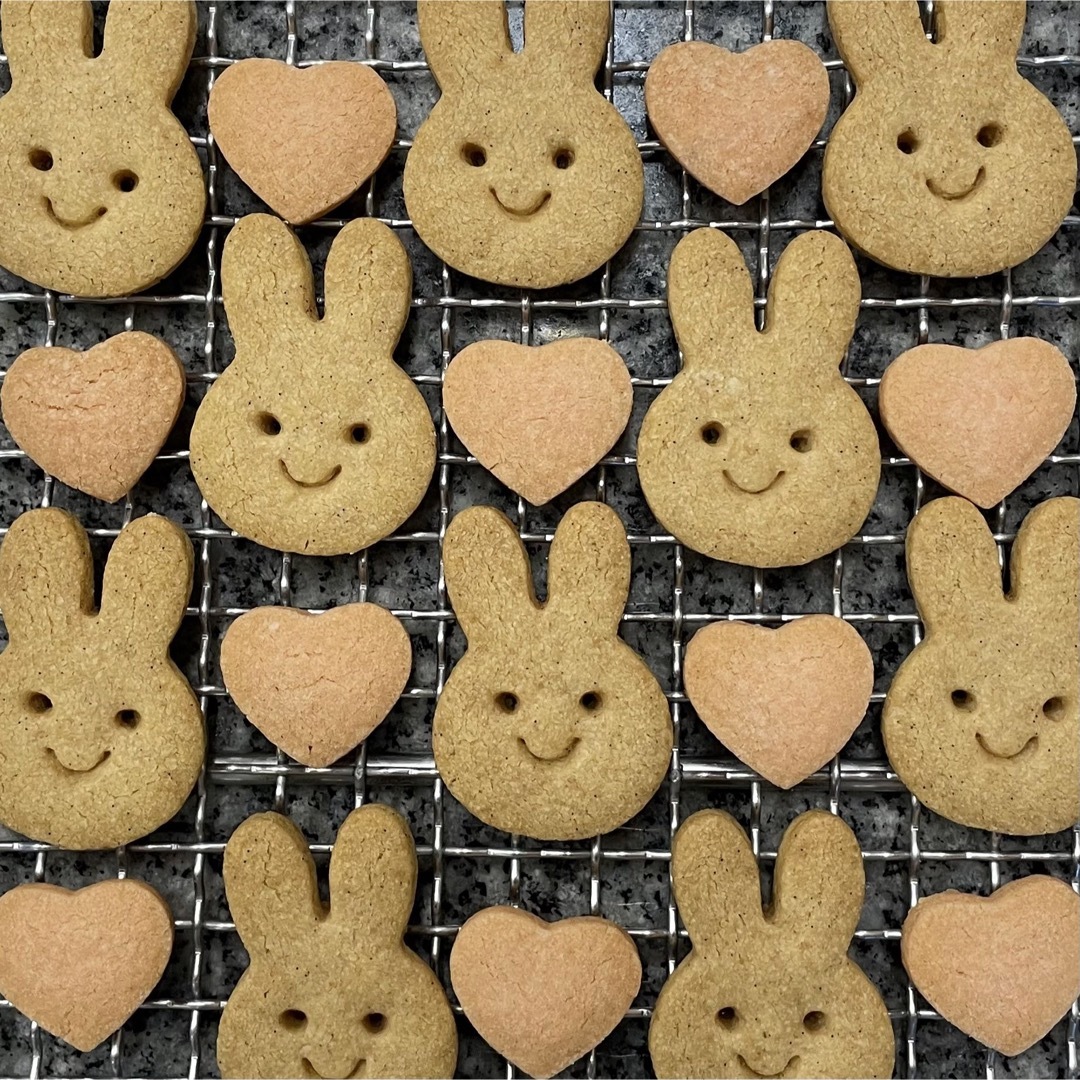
[(948, 162), (313, 440), (523, 174), (758, 452), (550, 725), (330, 991), (981, 720), (101, 737), (769, 993), (102, 190)]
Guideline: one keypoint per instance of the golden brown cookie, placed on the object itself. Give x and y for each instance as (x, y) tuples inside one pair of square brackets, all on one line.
[(102, 190), (773, 992), (79, 962), (758, 452), (303, 139), (785, 701), (523, 174), (316, 685), (948, 162), (313, 440), (979, 421), (1003, 968), (330, 991), (95, 419), (543, 994), (737, 121), (539, 418), (550, 725), (101, 737), (981, 720)]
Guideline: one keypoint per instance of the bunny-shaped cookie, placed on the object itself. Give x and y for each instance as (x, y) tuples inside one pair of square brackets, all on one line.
[(330, 991), (313, 440), (101, 738), (758, 452), (981, 720), (523, 174), (102, 190), (773, 992), (948, 161), (550, 725)]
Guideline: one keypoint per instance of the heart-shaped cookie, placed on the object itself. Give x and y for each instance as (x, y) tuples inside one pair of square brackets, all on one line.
[(737, 121), (1004, 968), (543, 994), (979, 421), (316, 685), (95, 419), (303, 139), (783, 701), (538, 417), (81, 961)]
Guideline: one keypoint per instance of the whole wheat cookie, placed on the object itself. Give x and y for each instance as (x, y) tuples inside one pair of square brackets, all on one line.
[(313, 440), (95, 419), (979, 421), (543, 994), (550, 725), (303, 139), (737, 121), (981, 720), (769, 992), (101, 737), (102, 190), (948, 162), (79, 962), (1003, 968), (758, 452), (316, 685), (523, 174), (330, 990)]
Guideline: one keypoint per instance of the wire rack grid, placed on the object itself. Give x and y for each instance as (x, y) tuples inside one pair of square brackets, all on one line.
[(908, 851)]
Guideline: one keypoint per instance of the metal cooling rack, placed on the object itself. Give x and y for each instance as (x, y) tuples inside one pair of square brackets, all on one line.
[(912, 852)]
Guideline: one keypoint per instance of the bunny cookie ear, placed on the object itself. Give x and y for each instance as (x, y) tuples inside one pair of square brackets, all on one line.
[(876, 36), (373, 873), (978, 28), (487, 572), (715, 876), (147, 582), (43, 39), (46, 573), (570, 36), (1045, 566), (814, 299), (461, 38), (952, 561), (710, 296), (819, 882), (265, 279), (150, 43), (589, 568), (368, 284), (270, 882)]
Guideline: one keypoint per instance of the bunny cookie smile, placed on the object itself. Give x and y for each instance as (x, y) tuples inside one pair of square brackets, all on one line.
[(793, 1063), (67, 223), (753, 490), (529, 211), (76, 770), (331, 476)]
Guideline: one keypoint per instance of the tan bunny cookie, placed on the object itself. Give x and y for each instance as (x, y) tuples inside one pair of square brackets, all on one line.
[(313, 440), (523, 174), (330, 991), (758, 452), (981, 720), (769, 992), (101, 737), (550, 725), (948, 162), (102, 190)]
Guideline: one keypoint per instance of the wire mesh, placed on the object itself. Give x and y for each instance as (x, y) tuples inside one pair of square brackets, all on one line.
[(908, 851)]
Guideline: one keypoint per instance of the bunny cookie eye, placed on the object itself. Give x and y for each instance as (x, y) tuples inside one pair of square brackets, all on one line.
[(712, 433), (727, 1017), (801, 441), (1054, 708), (506, 702), (474, 155), (41, 159), (37, 702), (963, 700), (128, 718), (373, 1022), (293, 1020), (591, 701), (267, 423), (814, 1020), (906, 142), (989, 135), (563, 158), (359, 433), (125, 180)]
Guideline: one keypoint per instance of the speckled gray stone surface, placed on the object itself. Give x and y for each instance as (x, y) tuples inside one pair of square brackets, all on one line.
[(404, 573)]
